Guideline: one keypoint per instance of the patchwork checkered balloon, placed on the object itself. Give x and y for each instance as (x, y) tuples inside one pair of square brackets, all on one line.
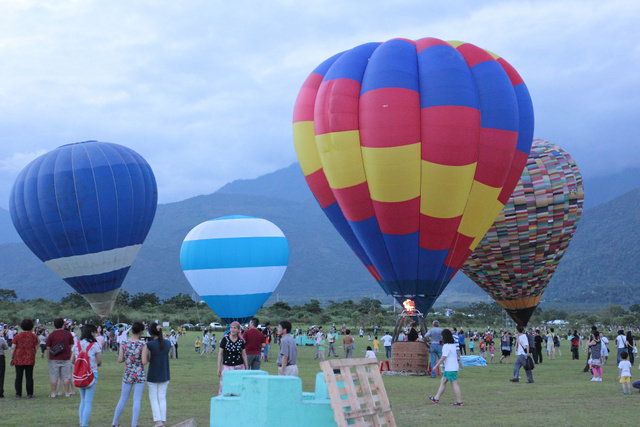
[(519, 254)]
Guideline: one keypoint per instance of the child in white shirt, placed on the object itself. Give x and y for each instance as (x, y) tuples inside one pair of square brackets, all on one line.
[(625, 372)]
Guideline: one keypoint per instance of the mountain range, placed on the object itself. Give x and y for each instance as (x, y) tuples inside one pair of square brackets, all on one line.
[(600, 262)]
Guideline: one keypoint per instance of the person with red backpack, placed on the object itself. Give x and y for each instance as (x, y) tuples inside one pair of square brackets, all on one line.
[(85, 375)]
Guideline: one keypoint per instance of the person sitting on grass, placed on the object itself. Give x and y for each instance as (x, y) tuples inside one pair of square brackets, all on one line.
[(370, 354), (451, 366)]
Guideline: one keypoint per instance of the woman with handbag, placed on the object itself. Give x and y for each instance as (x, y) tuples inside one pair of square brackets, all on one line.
[(23, 356), (630, 347)]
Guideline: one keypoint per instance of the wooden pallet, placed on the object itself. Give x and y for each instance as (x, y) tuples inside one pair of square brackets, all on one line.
[(357, 393)]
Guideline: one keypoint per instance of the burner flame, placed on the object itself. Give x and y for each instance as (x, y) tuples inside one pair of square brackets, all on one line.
[(409, 306)]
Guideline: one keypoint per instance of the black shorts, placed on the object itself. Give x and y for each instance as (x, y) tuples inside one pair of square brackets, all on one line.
[(506, 353)]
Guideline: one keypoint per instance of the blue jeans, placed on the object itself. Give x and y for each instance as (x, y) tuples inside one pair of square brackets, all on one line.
[(436, 354), (124, 396), (387, 348), (86, 400)]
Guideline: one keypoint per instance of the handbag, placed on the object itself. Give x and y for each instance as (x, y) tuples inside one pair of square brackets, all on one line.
[(528, 364), (58, 348)]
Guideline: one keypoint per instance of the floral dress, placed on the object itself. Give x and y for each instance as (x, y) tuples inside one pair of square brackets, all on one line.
[(133, 371)]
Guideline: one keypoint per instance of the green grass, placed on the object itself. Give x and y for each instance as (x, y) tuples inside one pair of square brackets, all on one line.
[(562, 394)]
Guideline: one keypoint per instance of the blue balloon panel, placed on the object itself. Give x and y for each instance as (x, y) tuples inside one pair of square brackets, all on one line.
[(235, 263), (85, 209)]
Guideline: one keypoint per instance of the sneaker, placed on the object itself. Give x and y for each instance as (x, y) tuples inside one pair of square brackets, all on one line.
[(514, 380), (600, 379), (594, 379)]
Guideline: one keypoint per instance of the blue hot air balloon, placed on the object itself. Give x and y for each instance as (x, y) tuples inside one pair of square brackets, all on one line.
[(84, 209), (235, 263)]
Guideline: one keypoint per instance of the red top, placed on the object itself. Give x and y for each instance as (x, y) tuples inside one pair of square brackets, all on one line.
[(60, 335), (253, 339), (25, 352)]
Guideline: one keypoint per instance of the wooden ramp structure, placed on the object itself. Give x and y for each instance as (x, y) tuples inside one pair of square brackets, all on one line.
[(358, 396)]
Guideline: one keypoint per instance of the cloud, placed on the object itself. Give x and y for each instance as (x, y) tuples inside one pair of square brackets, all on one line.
[(18, 160), (205, 90)]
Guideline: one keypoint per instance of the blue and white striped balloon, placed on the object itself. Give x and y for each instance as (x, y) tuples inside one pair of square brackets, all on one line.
[(235, 263), (84, 209)]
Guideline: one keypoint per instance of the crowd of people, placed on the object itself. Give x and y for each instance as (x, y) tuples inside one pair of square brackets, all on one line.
[(149, 345), (145, 350)]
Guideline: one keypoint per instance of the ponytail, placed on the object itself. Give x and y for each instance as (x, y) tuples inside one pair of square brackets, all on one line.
[(156, 331)]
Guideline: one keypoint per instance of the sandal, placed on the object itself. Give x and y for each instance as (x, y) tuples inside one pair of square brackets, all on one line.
[(433, 399), (456, 404)]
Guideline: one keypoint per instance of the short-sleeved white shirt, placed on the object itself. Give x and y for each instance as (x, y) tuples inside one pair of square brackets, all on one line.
[(451, 361), (522, 343), (625, 367), (620, 339), (386, 339)]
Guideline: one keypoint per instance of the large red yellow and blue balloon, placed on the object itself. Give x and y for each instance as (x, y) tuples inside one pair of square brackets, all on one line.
[(412, 148), (519, 254)]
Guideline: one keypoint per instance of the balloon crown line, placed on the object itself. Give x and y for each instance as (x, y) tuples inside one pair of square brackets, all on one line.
[(80, 142)]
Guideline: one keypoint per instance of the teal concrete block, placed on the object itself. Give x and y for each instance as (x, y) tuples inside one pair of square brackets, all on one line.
[(271, 401), (321, 391), (232, 380), (285, 387), (304, 340)]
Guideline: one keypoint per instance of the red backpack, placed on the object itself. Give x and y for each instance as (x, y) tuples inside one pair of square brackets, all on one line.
[(83, 376)]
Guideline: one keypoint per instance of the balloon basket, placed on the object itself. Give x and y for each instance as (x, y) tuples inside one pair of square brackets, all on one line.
[(409, 357)]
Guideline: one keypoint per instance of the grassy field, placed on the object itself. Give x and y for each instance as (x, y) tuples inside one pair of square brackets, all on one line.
[(561, 395)]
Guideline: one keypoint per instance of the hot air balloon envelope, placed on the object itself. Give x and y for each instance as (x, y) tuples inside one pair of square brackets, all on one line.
[(235, 263), (517, 257), (84, 209), (412, 148)]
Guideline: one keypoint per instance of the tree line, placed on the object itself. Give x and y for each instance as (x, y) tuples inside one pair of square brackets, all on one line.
[(182, 308)]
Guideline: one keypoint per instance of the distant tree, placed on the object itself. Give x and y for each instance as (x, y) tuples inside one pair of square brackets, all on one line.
[(123, 299), (356, 317), (8, 295), (325, 318), (74, 300), (554, 314), (281, 306), (180, 301), (312, 307), (627, 320), (367, 305), (592, 320), (144, 299)]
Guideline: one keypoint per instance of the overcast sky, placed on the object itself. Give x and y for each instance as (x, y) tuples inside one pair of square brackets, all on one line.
[(204, 90)]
